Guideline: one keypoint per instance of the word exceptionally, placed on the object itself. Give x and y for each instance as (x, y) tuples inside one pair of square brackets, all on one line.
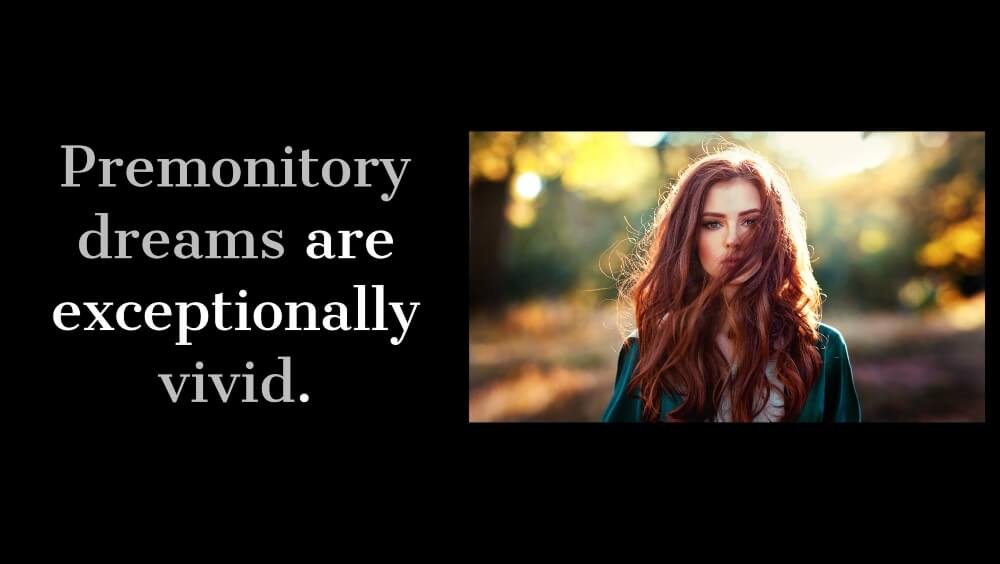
[(266, 316), (248, 173)]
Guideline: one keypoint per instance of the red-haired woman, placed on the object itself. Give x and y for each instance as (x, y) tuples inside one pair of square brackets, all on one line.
[(727, 310)]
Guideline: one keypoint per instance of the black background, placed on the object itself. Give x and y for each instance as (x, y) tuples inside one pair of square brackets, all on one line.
[(90, 409), (97, 394)]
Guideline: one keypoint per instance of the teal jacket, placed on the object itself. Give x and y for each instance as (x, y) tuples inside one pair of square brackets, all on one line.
[(833, 398)]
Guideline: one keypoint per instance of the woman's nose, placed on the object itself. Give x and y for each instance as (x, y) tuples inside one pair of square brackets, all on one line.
[(731, 238)]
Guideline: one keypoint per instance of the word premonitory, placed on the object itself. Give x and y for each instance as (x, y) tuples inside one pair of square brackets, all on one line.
[(226, 172)]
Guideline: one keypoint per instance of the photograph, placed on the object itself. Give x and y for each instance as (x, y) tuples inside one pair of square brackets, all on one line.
[(727, 276)]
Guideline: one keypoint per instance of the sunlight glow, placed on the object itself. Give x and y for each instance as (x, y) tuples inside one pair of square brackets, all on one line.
[(834, 154), (528, 185)]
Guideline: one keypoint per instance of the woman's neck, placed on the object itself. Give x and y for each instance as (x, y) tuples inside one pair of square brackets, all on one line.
[(729, 291), (726, 330)]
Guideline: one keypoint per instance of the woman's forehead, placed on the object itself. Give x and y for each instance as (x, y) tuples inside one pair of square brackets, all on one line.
[(731, 197)]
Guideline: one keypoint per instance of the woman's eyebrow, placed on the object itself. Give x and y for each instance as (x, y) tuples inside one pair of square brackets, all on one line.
[(741, 214)]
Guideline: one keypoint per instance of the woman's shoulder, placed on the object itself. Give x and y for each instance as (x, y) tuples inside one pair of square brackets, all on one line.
[(628, 355), (823, 328), (624, 406), (830, 336), (629, 348), (632, 337)]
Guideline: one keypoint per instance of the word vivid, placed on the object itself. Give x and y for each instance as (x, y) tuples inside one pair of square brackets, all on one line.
[(175, 385)]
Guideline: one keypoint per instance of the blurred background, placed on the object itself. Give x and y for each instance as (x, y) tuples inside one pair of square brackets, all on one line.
[(896, 223)]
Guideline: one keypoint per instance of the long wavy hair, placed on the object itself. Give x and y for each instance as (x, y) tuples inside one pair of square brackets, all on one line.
[(679, 309)]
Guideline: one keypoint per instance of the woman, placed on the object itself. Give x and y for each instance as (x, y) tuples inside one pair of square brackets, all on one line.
[(727, 308)]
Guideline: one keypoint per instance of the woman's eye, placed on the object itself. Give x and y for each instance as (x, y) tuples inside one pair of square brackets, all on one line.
[(713, 225)]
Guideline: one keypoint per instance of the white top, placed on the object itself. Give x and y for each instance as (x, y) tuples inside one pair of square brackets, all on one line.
[(775, 407)]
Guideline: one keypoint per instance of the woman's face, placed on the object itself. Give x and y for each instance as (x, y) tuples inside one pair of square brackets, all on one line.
[(732, 208)]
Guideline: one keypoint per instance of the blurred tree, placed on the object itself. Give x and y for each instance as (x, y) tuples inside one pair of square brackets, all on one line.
[(950, 206), (490, 172), (906, 231), (587, 176)]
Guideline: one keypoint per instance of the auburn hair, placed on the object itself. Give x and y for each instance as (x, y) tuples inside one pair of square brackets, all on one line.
[(679, 308)]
